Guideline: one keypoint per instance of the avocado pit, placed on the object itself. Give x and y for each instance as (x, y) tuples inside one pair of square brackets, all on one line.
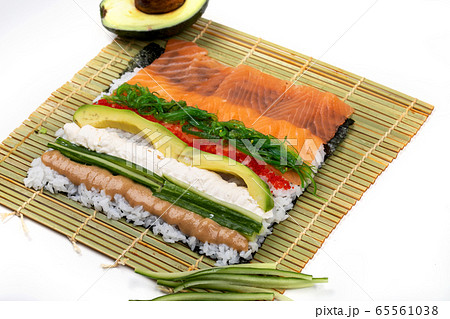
[(158, 6)]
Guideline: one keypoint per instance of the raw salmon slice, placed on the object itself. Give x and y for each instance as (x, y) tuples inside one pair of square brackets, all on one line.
[(301, 139), (321, 112), (187, 66), (249, 87), (306, 143), (304, 115)]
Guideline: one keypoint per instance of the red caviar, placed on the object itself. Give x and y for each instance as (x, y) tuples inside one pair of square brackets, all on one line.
[(262, 170)]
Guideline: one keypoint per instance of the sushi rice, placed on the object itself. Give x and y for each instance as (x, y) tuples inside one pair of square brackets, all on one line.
[(40, 176)]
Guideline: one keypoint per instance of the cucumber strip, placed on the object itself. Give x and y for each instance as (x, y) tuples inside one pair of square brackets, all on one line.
[(107, 160), (219, 202), (181, 201), (216, 296), (162, 188), (215, 210), (124, 169)]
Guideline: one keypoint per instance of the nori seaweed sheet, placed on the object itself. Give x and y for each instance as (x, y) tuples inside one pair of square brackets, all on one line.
[(153, 51), (340, 135), (146, 57)]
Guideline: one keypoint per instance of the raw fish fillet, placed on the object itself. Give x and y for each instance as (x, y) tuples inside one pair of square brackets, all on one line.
[(321, 112), (304, 115)]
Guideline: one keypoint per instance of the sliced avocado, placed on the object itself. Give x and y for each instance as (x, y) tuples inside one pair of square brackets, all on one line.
[(170, 145), (123, 18), (100, 116), (257, 188)]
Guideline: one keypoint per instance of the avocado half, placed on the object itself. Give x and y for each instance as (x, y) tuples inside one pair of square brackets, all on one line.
[(123, 18)]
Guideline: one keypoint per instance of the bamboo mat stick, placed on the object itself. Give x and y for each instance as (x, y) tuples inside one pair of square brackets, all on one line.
[(386, 120)]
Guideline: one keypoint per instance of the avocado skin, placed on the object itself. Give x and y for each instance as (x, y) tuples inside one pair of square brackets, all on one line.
[(158, 33)]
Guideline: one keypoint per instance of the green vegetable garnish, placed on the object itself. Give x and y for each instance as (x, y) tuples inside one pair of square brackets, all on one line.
[(245, 279), (201, 123), (216, 296), (247, 269), (273, 282)]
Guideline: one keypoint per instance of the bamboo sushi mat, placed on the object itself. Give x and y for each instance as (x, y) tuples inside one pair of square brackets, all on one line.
[(385, 121)]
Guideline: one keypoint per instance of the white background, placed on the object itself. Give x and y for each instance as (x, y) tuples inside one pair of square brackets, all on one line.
[(393, 245)]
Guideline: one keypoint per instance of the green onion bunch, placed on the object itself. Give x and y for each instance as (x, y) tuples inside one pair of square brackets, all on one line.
[(239, 282)]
